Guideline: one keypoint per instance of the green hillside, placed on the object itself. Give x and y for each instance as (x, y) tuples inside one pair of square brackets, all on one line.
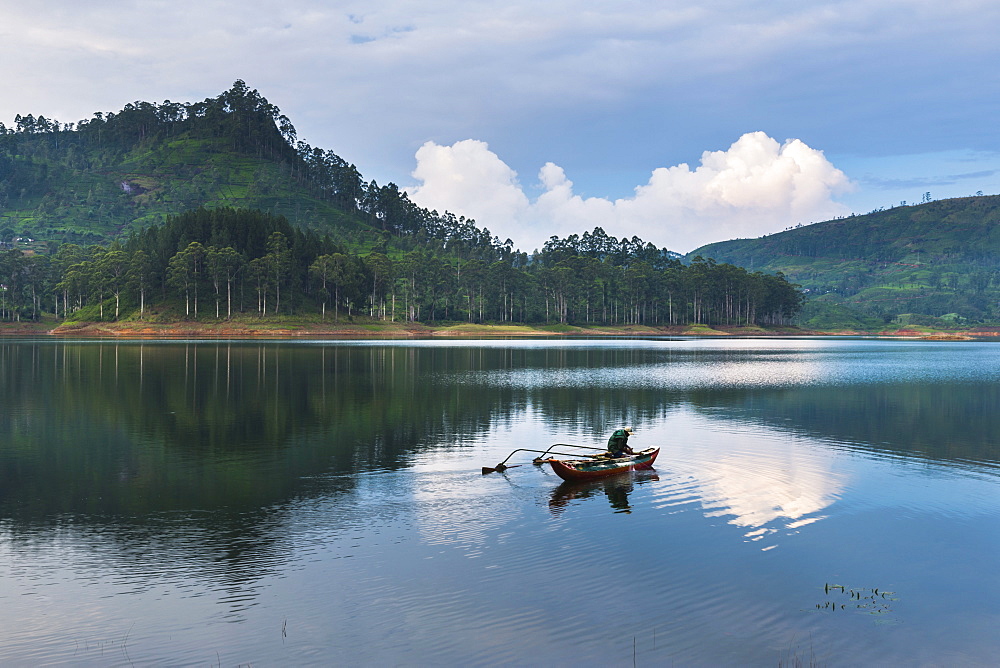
[(215, 210), (95, 180), (936, 264), (96, 198)]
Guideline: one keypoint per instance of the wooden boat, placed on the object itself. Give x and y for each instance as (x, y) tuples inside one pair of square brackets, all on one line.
[(598, 467)]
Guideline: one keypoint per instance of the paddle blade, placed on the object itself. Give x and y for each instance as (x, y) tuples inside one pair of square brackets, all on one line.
[(500, 467)]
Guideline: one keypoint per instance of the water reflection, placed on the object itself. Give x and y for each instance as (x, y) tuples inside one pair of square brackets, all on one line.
[(616, 488), (187, 485), (944, 421), (761, 481), (157, 428), (113, 429)]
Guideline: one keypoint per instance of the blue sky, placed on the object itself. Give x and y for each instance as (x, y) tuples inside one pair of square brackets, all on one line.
[(684, 122)]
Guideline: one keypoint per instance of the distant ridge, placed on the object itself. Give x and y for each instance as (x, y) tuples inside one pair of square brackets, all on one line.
[(909, 264)]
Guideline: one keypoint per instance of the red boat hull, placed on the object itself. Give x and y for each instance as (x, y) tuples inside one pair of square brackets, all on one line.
[(588, 469)]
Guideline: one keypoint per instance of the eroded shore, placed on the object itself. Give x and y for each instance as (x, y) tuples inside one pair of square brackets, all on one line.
[(244, 329)]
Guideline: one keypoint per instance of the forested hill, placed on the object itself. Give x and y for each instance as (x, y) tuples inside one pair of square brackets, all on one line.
[(215, 210), (913, 264), (95, 180)]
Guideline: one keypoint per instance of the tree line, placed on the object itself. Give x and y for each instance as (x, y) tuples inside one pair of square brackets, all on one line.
[(421, 265), (218, 263)]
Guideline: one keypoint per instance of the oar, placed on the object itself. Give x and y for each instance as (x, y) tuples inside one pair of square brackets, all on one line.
[(540, 459), (499, 467), (502, 466), (570, 445)]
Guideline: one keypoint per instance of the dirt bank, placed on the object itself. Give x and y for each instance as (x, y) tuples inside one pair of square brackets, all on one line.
[(255, 329), (249, 329)]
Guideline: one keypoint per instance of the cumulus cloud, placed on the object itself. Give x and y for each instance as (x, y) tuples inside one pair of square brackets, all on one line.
[(373, 79), (468, 176), (755, 187)]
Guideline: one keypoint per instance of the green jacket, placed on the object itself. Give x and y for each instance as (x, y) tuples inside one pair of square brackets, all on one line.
[(618, 441)]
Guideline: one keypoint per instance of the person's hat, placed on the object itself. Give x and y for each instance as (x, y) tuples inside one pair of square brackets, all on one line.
[(629, 430)]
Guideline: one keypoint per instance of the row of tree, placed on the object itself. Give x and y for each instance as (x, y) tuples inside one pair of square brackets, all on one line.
[(421, 265), (240, 261)]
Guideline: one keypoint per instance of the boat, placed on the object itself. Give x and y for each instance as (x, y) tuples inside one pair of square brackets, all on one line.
[(598, 467)]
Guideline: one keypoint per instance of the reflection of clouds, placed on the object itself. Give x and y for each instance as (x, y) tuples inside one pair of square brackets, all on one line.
[(762, 481), (449, 509), (772, 372), (757, 489), (718, 363)]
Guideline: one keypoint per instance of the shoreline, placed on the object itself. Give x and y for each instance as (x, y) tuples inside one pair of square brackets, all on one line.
[(376, 329)]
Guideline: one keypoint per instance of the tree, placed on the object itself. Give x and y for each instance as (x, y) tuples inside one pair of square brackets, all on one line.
[(75, 284), (345, 274), (379, 269), (278, 262), (185, 272), (34, 276), (113, 267), (471, 276), (67, 256), (138, 277), (223, 266), (323, 268), (258, 273)]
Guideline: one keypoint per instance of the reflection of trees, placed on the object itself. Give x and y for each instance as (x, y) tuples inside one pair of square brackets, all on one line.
[(135, 428), (192, 452), (944, 421), (131, 429), (950, 421)]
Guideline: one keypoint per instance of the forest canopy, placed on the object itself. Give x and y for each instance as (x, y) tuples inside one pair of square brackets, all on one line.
[(215, 263), (133, 212)]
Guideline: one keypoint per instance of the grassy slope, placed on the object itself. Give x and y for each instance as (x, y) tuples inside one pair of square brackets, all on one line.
[(80, 197), (933, 259)]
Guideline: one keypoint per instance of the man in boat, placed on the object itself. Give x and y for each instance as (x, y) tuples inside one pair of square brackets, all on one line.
[(618, 443)]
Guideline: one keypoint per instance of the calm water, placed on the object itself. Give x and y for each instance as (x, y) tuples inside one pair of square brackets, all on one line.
[(305, 503)]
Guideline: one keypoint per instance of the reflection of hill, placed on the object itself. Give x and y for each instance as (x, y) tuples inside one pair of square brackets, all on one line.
[(951, 422), (133, 429), (136, 428)]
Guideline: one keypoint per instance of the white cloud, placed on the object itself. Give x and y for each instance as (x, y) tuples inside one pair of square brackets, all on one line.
[(755, 187), (468, 176), (640, 80)]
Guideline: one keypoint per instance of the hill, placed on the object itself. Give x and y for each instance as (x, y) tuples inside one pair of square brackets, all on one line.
[(928, 264), (93, 180), (96, 180), (214, 210)]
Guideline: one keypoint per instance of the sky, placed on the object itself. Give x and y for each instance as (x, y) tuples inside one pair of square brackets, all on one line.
[(683, 122)]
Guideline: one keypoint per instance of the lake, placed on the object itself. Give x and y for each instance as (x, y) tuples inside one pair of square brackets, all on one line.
[(824, 501)]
